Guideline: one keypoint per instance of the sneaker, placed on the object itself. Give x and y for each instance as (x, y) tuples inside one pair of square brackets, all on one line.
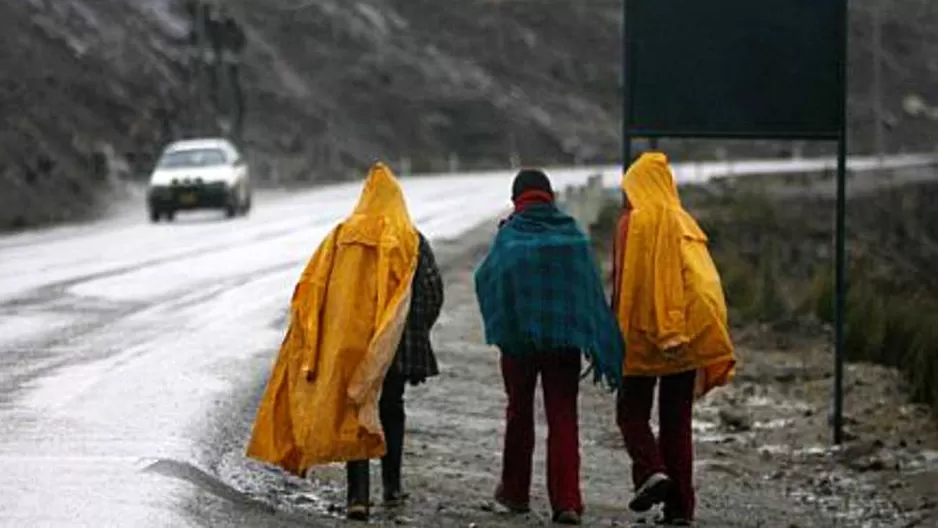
[(357, 512), (513, 507), (653, 492), (568, 517)]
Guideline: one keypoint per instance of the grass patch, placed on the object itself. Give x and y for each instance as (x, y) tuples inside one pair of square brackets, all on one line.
[(897, 331)]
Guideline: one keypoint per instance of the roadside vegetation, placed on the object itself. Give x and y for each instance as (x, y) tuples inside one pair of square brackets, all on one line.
[(775, 254)]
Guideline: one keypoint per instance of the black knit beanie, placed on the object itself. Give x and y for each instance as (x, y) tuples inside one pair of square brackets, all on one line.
[(530, 180)]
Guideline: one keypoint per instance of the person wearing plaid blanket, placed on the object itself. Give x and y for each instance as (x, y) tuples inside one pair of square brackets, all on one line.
[(543, 305)]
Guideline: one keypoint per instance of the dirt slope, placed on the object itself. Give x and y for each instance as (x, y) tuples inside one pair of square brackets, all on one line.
[(331, 85)]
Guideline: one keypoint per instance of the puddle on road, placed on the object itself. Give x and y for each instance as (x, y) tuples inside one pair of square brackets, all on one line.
[(773, 425), (787, 405), (850, 501), (787, 450)]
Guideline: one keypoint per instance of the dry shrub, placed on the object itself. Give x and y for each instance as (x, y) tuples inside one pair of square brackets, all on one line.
[(740, 284), (603, 232), (898, 331)]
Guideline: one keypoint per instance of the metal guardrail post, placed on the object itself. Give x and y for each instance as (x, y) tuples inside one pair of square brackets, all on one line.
[(584, 202), (595, 191)]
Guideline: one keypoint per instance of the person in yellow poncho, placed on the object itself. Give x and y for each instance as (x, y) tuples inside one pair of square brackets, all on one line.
[(669, 301), (361, 314)]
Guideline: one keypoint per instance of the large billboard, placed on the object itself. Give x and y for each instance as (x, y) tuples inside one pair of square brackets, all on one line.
[(735, 68)]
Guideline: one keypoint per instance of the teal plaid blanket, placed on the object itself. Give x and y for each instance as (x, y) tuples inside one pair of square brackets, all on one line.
[(539, 289)]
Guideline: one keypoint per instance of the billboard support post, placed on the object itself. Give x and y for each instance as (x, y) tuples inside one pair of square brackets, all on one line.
[(840, 291), (840, 250), (626, 92)]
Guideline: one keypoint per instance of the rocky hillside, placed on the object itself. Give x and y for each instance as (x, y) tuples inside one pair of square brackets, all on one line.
[(95, 87)]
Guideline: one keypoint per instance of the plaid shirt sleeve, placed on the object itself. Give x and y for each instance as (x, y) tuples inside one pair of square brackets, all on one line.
[(415, 355), (431, 283)]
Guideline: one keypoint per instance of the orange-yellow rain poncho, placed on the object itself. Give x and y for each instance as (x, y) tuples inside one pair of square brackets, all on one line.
[(347, 316), (671, 306)]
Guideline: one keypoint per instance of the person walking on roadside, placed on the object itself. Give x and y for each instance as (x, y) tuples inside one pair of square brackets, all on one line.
[(360, 322), (669, 301), (543, 305)]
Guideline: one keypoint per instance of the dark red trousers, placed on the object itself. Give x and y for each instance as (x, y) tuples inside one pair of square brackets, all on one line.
[(560, 377), (673, 452)]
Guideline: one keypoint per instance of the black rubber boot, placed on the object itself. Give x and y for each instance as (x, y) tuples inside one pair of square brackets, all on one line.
[(359, 490)]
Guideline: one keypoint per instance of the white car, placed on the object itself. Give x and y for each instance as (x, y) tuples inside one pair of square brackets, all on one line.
[(199, 174)]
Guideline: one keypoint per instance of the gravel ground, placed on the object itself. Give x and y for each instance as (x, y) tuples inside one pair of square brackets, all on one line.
[(763, 456)]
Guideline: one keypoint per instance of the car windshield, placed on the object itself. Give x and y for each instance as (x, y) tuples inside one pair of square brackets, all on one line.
[(192, 158)]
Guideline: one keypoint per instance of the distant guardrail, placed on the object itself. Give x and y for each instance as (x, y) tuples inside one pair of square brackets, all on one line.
[(705, 171), (584, 201)]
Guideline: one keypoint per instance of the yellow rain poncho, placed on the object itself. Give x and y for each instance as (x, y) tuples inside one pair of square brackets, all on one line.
[(347, 316), (671, 306)]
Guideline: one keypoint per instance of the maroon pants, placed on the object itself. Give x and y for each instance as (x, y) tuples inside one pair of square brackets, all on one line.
[(673, 452), (560, 372)]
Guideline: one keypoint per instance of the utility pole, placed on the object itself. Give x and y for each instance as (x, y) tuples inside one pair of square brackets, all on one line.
[(201, 65), (879, 124), (498, 28), (514, 159)]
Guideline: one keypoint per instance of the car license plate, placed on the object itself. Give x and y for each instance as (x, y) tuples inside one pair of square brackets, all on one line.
[(187, 199)]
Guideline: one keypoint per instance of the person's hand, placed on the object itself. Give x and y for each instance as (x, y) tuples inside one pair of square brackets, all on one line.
[(673, 353)]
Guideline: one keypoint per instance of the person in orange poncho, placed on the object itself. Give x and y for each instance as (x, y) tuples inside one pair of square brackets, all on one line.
[(669, 301), (360, 320)]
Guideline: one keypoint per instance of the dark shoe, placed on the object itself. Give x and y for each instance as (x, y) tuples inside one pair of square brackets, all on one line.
[(395, 499), (671, 516), (653, 492), (513, 507), (673, 521), (568, 517), (357, 512)]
